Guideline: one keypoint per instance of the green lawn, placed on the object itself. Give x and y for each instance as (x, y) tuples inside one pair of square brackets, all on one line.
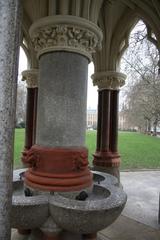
[(137, 150), (18, 147)]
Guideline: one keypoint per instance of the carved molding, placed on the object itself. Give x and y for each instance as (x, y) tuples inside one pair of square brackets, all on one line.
[(65, 33), (108, 80), (31, 78)]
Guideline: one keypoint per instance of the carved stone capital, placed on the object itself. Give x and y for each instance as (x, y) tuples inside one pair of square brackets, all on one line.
[(65, 33), (31, 78), (108, 80)]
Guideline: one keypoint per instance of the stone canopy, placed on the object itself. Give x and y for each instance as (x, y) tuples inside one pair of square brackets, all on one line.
[(115, 18)]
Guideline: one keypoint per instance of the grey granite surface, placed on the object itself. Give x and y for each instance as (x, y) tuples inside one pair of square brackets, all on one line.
[(61, 211), (62, 99), (9, 46)]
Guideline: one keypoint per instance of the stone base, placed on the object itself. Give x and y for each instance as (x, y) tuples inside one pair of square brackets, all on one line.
[(110, 170), (107, 162), (106, 159)]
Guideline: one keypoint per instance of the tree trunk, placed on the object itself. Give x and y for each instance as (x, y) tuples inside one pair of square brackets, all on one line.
[(149, 126), (155, 128)]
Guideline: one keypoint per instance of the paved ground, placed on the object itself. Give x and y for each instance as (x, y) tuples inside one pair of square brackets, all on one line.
[(139, 220), (143, 190), (128, 229)]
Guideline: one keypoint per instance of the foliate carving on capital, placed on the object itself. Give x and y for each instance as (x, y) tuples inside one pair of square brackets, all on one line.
[(68, 33), (31, 78), (109, 80)]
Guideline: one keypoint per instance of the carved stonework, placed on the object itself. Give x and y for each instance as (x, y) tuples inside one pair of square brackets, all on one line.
[(31, 78), (80, 161), (109, 80), (65, 33), (57, 169)]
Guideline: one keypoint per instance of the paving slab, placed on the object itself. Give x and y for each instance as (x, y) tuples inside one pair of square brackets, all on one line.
[(125, 228), (143, 190)]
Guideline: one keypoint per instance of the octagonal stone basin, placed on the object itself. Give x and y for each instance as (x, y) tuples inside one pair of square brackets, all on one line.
[(27, 212), (97, 211)]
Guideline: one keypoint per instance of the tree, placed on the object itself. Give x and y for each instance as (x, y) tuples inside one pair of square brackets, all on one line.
[(141, 63), (21, 104)]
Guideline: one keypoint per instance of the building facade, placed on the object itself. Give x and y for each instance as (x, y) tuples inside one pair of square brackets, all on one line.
[(91, 118)]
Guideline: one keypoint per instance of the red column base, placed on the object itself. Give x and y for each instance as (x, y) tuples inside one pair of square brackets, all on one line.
[(92, 236), (49, 237), (58, 169), (106, 159), (24, 231)]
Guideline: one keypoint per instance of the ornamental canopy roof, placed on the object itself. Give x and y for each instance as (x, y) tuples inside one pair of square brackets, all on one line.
[(115, 18)]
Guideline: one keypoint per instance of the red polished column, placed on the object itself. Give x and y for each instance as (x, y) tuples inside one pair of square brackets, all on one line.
[(31, 109), (114, 132), (35, 115), (29, 118), (102, 156), (105, 121), (106, 157), (29, 128), (114, 121), (99, 121)]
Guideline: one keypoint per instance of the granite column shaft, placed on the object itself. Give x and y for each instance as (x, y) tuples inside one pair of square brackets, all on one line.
[(10, 12)]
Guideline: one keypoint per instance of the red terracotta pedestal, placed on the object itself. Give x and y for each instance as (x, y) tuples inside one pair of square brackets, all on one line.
[(58, 169)]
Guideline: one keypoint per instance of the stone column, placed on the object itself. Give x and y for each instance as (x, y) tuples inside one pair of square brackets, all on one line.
[(105, 121), (106, 157), (59, 160), (114, 106), (35, 114), (9, 48), (31, 78), (99, 126)]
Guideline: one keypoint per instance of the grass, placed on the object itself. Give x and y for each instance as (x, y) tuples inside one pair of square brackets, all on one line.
[(138, 151), (18, 147)]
